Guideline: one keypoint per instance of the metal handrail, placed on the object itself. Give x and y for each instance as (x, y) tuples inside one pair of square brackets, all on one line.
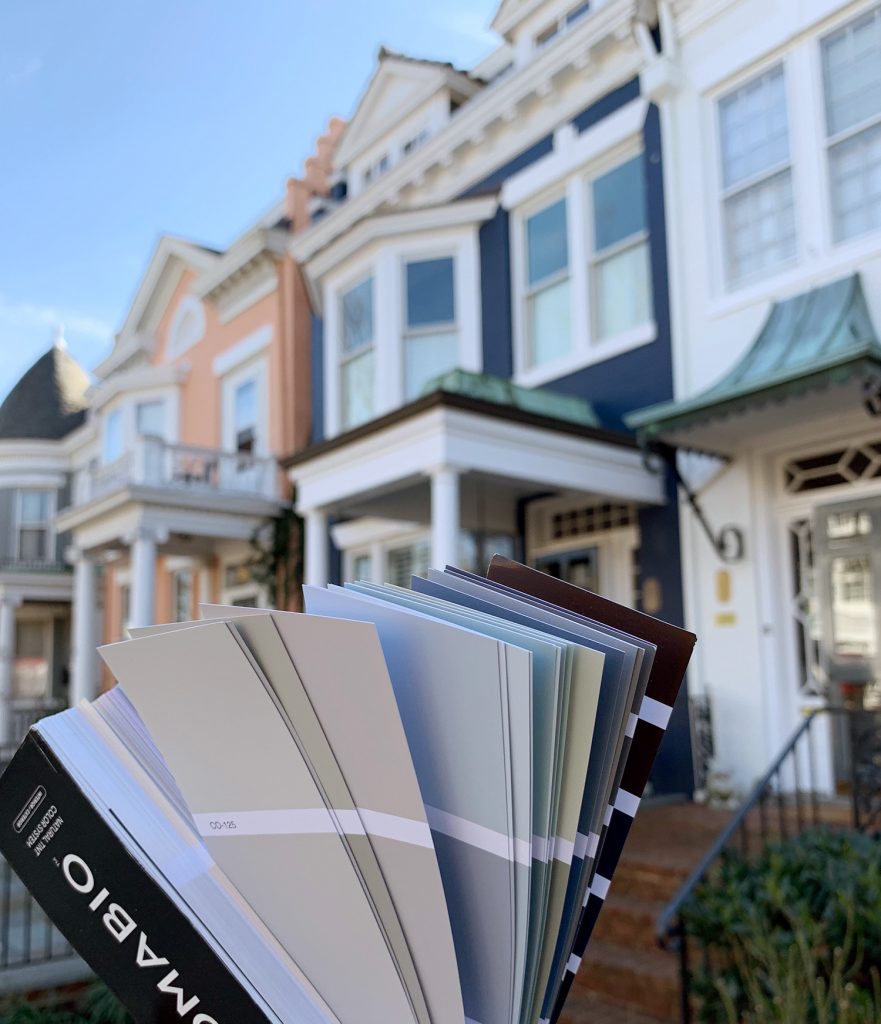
[(666, 928)]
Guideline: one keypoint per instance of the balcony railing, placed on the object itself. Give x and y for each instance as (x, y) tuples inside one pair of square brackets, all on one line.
[(152, 462)]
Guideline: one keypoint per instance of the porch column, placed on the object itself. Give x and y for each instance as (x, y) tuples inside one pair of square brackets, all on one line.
[(84, 671), (8, 604), (143, 586), (444, 516), (316, 568)]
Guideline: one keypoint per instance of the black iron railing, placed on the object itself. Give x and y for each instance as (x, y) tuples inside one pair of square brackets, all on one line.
[(783, 803), (28, 938)]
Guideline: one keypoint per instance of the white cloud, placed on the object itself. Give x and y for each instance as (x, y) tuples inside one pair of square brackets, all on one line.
[(24, 71), (24, 315)]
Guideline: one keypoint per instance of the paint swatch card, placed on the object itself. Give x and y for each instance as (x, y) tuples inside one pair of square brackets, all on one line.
[(404, 805)]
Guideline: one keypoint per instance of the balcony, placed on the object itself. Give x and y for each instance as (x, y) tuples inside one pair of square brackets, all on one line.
[(153, 463)]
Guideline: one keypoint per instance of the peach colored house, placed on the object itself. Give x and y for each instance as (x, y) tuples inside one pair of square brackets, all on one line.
[(174, 470)]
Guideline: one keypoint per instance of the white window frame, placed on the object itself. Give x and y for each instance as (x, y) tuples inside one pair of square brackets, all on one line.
[(256, 370), (728, 284), (586, 349), (451, 327), (386, 264), (345, 358), (51, 511), (830, 141)]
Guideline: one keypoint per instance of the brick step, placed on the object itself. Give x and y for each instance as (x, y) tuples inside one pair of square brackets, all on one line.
[(629, 921), (647, 881), (584, 1007), (643, 980)]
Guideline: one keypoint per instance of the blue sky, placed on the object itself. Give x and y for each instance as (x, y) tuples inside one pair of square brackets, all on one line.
[(120, 121)]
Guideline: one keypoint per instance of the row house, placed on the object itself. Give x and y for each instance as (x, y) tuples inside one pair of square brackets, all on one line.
[(37, 420), (135, 496), (488, 280), (772, 126)]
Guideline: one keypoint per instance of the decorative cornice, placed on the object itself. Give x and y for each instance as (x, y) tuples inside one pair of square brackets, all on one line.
[(472, 123)]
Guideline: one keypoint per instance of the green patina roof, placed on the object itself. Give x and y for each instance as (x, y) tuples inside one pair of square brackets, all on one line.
[(820, 337), (498, 391)]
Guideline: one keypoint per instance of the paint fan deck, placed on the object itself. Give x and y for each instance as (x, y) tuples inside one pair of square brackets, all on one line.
[(401, 807)]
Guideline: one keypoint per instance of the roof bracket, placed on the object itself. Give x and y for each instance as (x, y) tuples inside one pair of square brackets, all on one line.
[(728, 542)]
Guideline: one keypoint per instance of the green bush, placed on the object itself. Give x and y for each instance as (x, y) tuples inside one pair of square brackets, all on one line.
[(97, 1005), (791, 937)]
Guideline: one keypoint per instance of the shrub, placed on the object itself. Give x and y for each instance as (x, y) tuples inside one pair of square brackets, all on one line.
[(793, 936)]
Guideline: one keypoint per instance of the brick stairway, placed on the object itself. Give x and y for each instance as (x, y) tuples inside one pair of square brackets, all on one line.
[(625, 978)]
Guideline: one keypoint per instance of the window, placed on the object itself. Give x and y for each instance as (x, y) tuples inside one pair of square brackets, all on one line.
[(245, 417), (113, 440), (621, 279), (757, 201), (377, 169), (852, 84), (357, 356), (415, 141), (551, 32), (548, 325), (125, 607), (406, 561), (150, 418), (34, 525), (182, 595), (431, 342), (362, 567)]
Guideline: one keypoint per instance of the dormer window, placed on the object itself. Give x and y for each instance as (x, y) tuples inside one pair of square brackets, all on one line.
[(415, 141), (377, 169), (559, 26)]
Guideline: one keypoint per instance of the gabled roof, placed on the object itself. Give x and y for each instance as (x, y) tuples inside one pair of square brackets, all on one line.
[(170, 258), (813, 340), (48, 402), (398, 86)]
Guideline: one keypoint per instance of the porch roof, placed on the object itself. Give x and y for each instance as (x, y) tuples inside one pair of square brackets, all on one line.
[(810, 342), (482, 425)]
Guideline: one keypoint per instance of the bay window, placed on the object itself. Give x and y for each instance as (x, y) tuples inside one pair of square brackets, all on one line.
[(357, 362), (621, 277), (758, 213), (431, 340), (548, 315), (113, 440), (851, 60)]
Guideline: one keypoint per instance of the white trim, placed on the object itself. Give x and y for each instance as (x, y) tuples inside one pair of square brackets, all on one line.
[(242, 351), (467, 130), (586, 347), (477, 443), (256, 369), (229, 309), (573, 151), (360, 533), (461, 214), (386, 266), (175, 346)]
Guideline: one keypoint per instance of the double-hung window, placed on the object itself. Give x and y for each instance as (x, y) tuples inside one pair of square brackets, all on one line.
[(113, 441), (245, 417), (758, 212), (182, 595), (431, 339), (34, 525), (150, 418), (548, 313), (851, 59), (357, 360), (621, 289)]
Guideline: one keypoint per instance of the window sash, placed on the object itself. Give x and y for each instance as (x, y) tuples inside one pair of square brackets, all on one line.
[(33, 543), (112, 447), (420, 339), (355, 408), (608, 322)]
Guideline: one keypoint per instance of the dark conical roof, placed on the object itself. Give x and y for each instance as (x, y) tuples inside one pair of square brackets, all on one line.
[(48, 401)]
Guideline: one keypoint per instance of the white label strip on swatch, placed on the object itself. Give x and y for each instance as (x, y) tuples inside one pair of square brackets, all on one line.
[(487, 839), (315, 821), (654, 712)]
